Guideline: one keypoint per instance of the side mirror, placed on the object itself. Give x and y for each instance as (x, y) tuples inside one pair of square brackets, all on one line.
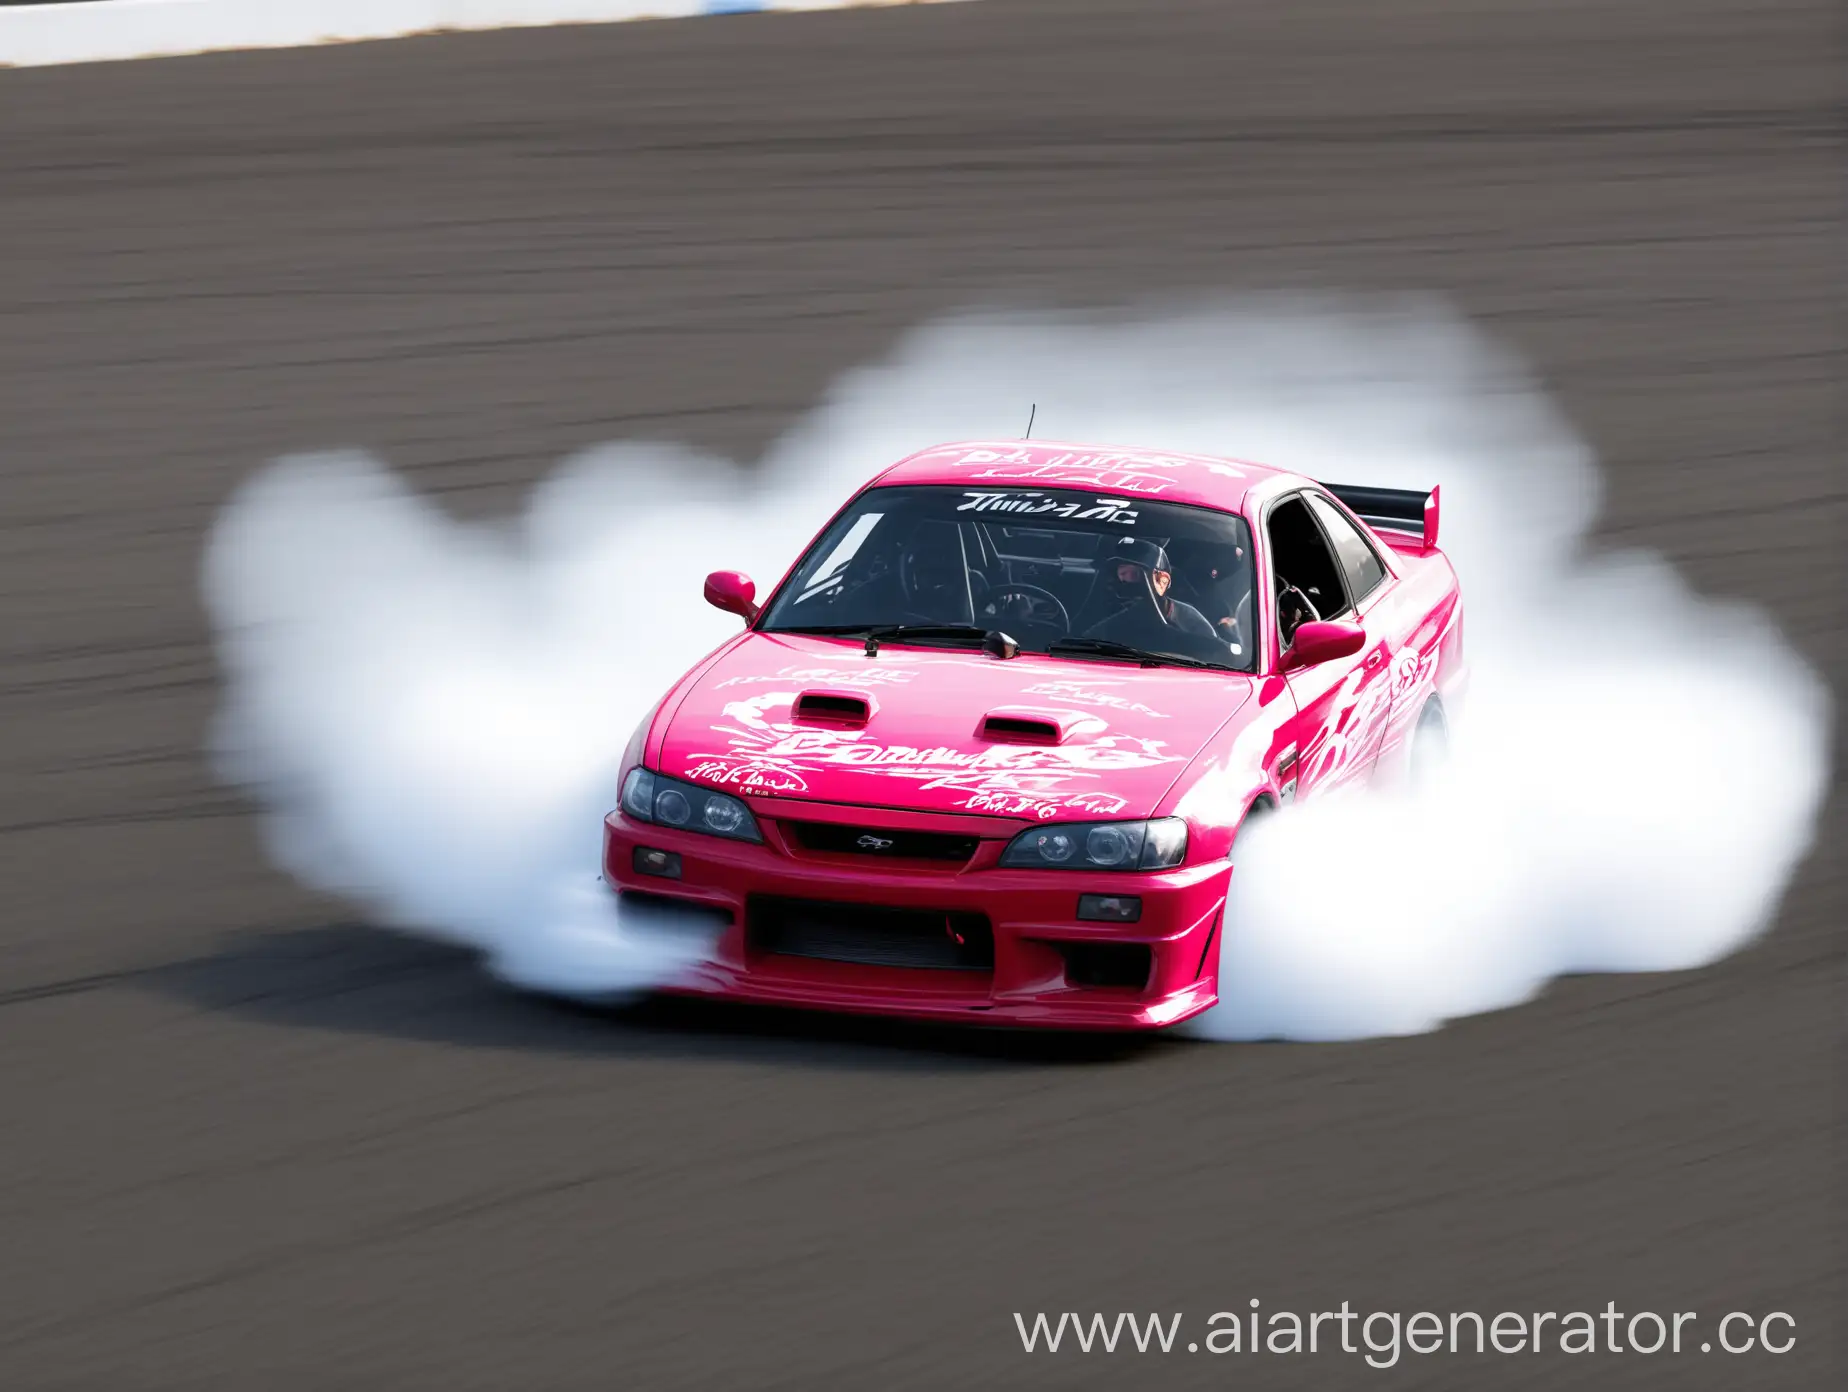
[(732, 591), (1317, 641)]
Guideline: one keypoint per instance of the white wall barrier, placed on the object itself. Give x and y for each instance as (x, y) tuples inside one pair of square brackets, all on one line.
[(100, 30)]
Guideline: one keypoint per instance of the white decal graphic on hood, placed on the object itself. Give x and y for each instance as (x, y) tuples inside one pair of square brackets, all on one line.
[(885, 674), (772, 756), (1085, 694)]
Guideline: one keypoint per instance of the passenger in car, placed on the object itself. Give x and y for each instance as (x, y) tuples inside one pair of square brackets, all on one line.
[(1134, 586), (1218, 582)]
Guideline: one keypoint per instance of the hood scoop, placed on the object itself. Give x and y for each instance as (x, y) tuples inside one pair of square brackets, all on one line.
[(947, 732), (838, 710), (1020, 727)]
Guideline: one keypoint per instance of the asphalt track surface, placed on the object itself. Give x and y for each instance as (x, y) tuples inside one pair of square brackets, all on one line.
[(247, 1141)]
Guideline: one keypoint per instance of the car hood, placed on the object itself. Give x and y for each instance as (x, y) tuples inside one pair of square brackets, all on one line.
[(941, 730)]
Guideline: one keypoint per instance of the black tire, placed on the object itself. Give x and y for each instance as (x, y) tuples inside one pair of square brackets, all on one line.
[(1258, 810), (1430, 744)]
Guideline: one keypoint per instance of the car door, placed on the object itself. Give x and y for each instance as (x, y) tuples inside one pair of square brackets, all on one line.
[(1326, 743), (1368, 582)]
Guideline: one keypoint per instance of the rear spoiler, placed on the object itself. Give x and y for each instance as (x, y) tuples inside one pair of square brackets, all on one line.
[(1392, 509)]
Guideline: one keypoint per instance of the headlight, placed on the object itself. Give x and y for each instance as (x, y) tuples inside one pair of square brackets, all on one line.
[(1157, 845), (648, 797)]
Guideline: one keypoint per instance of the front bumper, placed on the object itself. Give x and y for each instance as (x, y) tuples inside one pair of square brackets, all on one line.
[(1043, 954)]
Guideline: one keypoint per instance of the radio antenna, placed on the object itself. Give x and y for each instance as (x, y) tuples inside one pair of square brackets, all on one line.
[(1033, 411)]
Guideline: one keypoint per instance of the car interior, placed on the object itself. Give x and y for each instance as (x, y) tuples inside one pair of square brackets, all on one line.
[(1307, 578), (1360, 564), (911, 564), (1323, 566)]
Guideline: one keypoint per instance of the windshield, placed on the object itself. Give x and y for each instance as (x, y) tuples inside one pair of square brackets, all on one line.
[(1075, 572)]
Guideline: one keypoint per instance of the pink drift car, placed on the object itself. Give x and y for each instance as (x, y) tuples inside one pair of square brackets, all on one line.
[(984, 753)]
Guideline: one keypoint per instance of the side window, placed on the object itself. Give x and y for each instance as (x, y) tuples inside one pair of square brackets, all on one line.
[(1358, 561), (1304, 569)]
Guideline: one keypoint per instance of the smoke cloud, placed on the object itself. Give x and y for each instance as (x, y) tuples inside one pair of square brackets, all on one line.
[(432, 712)]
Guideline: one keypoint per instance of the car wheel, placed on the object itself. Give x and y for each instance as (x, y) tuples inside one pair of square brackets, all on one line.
[(1257, 812), (1430, 745)]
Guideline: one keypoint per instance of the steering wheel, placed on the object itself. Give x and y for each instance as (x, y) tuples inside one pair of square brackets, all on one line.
[(1288, 597), (1035, 613)]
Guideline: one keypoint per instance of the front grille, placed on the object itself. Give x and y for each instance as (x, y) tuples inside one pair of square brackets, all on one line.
[(871, 935), (882, 841)]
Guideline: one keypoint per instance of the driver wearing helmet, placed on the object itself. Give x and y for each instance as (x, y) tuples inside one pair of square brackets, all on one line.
[(1136, 580)]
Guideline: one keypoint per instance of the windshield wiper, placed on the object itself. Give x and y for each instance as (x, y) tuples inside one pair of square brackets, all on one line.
[(1109, 647), (963, 635)]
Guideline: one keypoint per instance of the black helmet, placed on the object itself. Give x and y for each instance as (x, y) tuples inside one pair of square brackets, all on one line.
[(1147, 557), (1139, 552)]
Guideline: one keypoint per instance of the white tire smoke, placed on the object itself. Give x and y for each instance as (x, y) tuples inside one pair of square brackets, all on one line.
[(432, 713)]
